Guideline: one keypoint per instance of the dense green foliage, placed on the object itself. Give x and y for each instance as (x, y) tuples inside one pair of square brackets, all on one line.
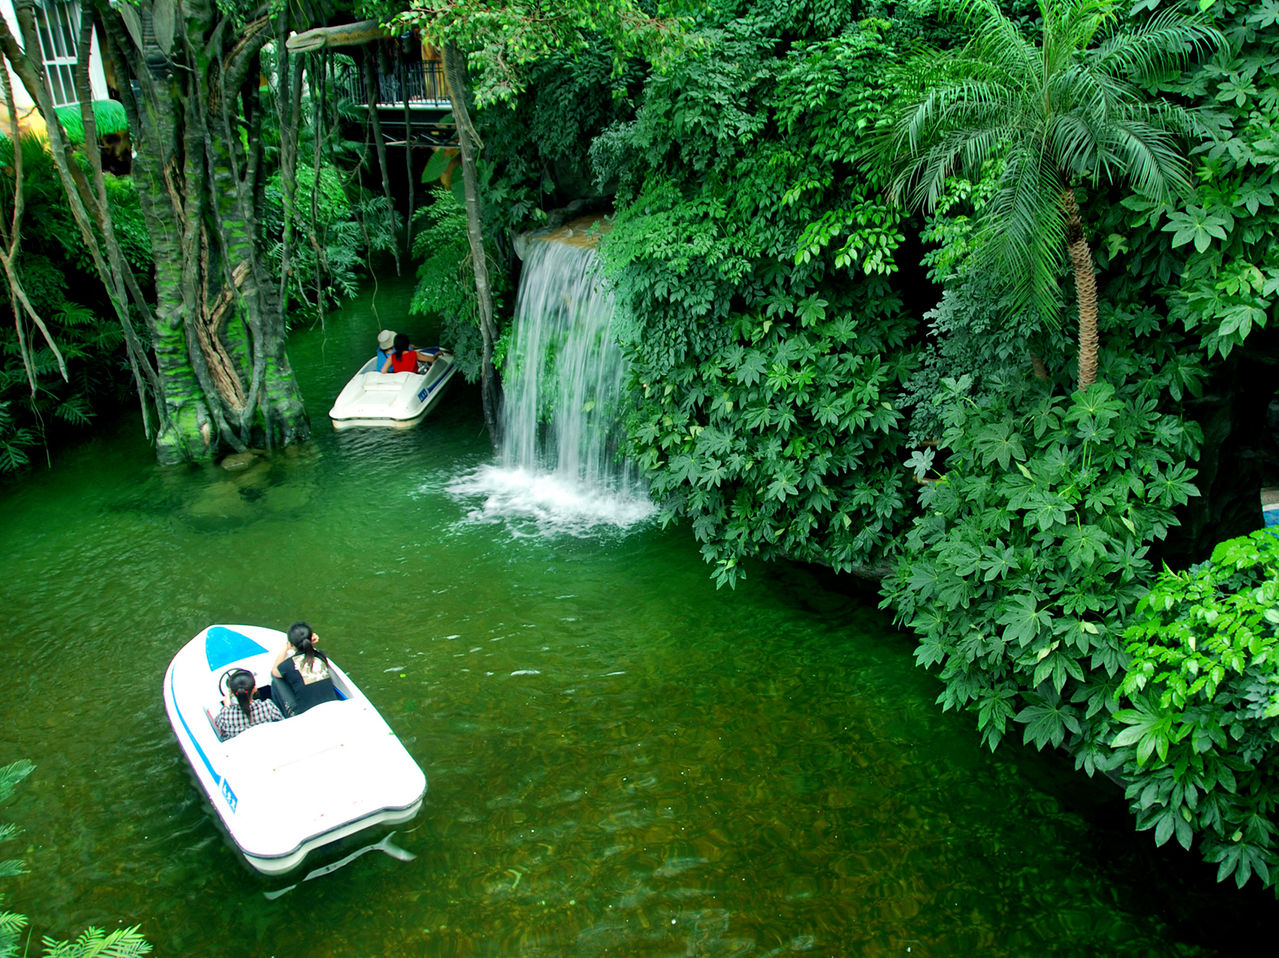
[(1199, 744), (38, 404), (345, 226), (749, 253), (1215, 258), (1033, 550), (444, 286), (92, 943), (505, 41)]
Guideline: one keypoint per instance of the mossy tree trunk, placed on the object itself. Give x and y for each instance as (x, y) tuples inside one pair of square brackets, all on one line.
[(218, 376), (218, 329), (469, 146)]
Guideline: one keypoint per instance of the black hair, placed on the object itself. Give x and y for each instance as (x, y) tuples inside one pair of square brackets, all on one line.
[(401, 344), (300, 638), (241, 685)]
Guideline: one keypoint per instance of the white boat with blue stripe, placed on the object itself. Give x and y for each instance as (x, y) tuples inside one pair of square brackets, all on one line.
[(399, 400), (284, 789)]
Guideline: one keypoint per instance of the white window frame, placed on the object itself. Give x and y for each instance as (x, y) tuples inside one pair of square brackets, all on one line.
[(58, 23)]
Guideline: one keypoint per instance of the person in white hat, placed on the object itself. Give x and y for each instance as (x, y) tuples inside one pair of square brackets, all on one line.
[(385, 340)]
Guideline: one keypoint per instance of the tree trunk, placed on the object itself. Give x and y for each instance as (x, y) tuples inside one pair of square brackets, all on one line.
[(87, 203), (218, 330), (1085, 290), (468, 147), (188, 82)]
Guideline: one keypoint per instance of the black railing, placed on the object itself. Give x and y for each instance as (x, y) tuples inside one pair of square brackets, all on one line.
[(419, 82)]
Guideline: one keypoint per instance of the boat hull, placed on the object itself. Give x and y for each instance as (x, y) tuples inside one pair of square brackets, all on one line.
[(282, 790), (395, 400)]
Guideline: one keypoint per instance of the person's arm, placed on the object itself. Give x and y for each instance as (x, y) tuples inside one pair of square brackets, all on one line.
[(275, 666)]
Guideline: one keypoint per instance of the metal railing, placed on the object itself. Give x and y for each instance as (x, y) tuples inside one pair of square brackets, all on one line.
[(417, 81)]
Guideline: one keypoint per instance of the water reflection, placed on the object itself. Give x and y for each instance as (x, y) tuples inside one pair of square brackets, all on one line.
[(386, 846)]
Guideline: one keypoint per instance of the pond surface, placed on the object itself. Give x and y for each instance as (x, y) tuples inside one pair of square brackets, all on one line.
[(622, 759)]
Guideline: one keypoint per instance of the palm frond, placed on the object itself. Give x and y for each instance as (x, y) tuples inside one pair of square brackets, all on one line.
[(1074, 142), (94, 943), (1165, 45), (12, 867), (1149, 160), (952, 129), (1024, 233), (12, 774), (11, 923)]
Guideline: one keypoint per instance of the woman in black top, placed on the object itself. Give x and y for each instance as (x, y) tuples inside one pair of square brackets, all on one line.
[(300, 676)]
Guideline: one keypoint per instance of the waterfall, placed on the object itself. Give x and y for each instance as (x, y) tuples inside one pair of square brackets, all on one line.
[(560, 463)]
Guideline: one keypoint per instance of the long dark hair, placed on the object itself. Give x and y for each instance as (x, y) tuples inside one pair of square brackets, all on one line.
[(401, 344), (300, 638), (241, 685)]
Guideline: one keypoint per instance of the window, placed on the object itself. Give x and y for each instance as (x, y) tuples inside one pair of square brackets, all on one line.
[(59, 24)]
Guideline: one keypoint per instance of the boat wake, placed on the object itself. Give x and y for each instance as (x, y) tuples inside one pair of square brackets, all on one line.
[(540, 504)]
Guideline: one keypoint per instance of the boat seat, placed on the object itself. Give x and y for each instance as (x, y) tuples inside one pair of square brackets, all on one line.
[(208, 713)]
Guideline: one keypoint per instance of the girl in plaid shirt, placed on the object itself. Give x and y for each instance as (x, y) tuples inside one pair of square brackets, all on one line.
[(247, 711)]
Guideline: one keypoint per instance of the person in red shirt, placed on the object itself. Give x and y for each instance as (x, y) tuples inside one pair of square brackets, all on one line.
[(404, 358)]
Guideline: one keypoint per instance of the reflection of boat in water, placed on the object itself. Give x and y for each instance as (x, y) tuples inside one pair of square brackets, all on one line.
[(400, 400), (285, 789)]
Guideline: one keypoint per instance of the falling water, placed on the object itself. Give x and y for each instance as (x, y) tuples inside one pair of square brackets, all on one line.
[(561, 462)]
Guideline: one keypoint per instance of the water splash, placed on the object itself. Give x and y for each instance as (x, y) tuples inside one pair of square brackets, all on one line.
[(561, 467), (539, 503)]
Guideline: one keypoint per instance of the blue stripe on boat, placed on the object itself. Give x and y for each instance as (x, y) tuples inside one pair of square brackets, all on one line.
[(223, 646), (190, 737)]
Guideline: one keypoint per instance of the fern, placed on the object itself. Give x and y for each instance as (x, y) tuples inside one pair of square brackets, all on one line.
[(94, 943)]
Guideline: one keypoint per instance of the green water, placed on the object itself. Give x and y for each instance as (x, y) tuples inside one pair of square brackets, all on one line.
[(622, 760)]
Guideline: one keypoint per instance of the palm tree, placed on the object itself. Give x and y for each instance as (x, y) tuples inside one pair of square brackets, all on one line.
[(1065, 112)]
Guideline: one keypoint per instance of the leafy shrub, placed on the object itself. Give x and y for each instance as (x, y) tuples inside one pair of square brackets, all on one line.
[(783, 443), (445, 280), (1215, 254), (52, 257), (1199, 747), (334, 233), (750, 256), (1033, 549)]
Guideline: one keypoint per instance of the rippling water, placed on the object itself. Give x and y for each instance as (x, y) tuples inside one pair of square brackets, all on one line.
[(622, 759)]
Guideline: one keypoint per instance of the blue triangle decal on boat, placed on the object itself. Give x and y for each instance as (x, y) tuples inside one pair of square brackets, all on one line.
[(222, 646)]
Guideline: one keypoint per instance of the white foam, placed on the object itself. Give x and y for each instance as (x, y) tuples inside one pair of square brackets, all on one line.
[(532, 503)]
